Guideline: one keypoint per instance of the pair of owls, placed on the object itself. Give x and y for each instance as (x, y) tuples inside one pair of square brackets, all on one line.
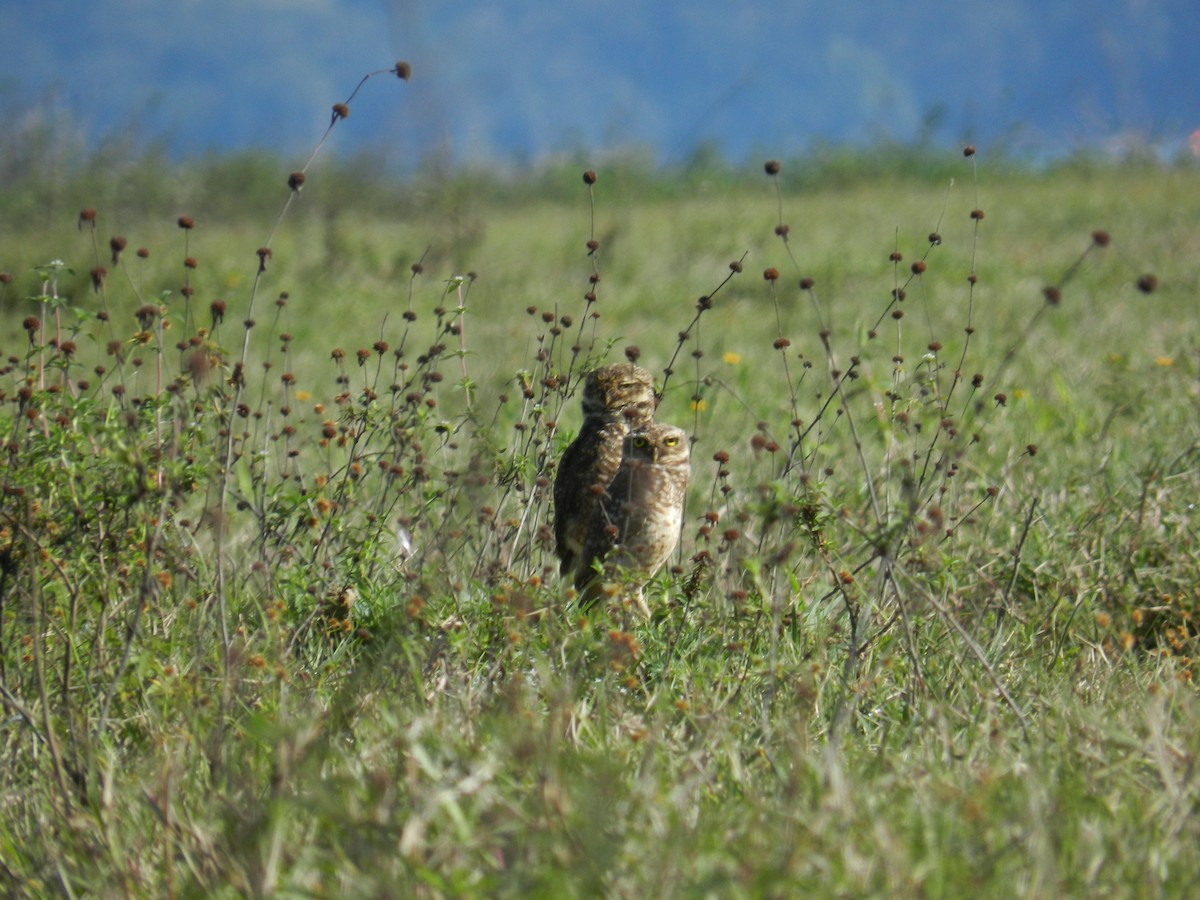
[(619, 490)]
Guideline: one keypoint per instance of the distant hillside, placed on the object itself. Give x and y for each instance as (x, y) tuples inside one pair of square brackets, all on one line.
[(522, 81)]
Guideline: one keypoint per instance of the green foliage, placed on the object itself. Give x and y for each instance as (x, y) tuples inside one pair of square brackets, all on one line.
[(279, 610)]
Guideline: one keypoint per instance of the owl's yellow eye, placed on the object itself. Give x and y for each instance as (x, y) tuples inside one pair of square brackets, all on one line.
[(671, 442)]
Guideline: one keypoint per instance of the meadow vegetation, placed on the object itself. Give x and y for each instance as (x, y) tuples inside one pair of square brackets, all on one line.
[(279, 612)]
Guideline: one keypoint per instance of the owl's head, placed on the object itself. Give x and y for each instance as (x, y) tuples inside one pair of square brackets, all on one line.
[(658, 443), (621, 392)]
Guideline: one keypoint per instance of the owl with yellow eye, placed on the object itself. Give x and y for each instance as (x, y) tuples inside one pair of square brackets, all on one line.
[(617, 399), (636, 524)]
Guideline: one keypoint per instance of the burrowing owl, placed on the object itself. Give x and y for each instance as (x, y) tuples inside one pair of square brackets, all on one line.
[(616, 400), (636, 523)]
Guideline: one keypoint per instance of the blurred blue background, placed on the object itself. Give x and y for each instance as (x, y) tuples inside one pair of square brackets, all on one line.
[(520, 82)]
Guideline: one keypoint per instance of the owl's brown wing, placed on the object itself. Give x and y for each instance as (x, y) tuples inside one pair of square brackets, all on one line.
[(587, 467), (608, 524), (565, 490)]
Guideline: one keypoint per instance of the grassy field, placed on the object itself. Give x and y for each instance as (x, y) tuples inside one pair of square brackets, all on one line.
[(278, 604)]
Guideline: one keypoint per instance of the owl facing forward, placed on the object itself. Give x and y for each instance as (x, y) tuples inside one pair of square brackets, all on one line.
[(617, 399), (635, 526)]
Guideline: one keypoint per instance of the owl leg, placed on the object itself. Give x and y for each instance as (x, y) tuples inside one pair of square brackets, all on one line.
[(637, 602)]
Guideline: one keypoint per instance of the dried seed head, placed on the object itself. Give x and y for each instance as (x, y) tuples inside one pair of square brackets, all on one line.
[(977, 214), (806, 284), (143, 252), (187, 223), (5, 278), (88, 215), (296, 180), (704, 303), (934, 237), (918, 267), (771, 274), (1148, 283), (340, 111), (217, 308), (735, 266), (781, 343), (1053, 295), (633, 353), (99, 273), (781, 230), (1101, 238), (771, 167), (589, 177), (31, 324), (895, 256), (403, 70), (116, 244), (190, 262), (968, 150)]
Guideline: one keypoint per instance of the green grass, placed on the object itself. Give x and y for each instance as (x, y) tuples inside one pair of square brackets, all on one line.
[(918, 640)]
